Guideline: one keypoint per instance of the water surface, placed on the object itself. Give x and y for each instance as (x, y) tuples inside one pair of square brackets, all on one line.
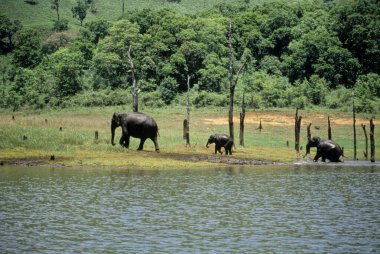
[(303, 208)]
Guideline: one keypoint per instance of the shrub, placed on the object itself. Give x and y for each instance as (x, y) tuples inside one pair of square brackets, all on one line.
[(339, 98), (168, 89), (61, 25), (151, 100), (204, 98)]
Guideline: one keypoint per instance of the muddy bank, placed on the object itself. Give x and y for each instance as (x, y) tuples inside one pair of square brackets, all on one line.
[(222, 159), (194, 158)]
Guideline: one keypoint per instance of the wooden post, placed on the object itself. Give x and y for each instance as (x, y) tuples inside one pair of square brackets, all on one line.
[(186, 134), (372, 139), (366, 142), (260, 126), (242, 116), (329, 128), (297, 131), (96, 136), (187, 122)]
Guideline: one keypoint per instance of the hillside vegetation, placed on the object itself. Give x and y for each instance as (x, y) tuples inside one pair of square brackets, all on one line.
[(305, 53)]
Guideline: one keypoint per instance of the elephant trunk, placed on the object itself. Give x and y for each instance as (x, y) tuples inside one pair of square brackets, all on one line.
[(113, 127), (307, 149), (207, 144)]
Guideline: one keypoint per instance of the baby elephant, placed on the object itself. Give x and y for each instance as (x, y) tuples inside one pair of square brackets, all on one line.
[(221, 140), (325, 149)]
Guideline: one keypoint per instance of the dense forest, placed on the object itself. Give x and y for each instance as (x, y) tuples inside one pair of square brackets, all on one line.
[(294, 54)]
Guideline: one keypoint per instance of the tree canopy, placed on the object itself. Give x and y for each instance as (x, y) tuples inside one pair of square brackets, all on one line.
[(301, 53)]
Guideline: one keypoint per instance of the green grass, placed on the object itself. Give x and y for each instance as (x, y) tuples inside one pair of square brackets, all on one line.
[(76, 145)]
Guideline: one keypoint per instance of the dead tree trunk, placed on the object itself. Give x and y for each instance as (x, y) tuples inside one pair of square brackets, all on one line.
[(242, 116), (232, 83), (308, 139), (233, 79), (187, 120), (372, 139), (135, 91), (354, 121), (366, 142), (297, 131), (329, 128)]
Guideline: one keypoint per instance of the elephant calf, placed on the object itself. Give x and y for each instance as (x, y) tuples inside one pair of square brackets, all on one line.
[(221, 140), (325, 149)]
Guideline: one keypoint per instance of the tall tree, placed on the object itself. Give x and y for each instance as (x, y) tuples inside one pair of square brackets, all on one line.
[(80, 10), (233, 77), (7, 30), (111, 58), (27, 48), (55, 6)]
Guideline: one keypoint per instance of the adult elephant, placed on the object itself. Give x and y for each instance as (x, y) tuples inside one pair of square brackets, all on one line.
[(137, 125), (221, 140), (325, 149)]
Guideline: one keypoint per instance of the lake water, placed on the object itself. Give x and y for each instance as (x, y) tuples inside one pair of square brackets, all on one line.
[(275, 209)]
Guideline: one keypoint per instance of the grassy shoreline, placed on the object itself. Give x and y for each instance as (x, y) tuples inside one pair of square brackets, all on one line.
[(32, 138)]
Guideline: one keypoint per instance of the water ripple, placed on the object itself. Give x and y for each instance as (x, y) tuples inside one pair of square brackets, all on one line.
[(265, 209)]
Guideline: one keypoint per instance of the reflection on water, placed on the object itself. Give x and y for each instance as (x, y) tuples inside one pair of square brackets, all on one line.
[(315, 209)]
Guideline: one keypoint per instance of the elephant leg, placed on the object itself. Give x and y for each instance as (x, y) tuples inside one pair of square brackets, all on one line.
[(219, 148), (317, 156), (127, 138), (323, 159), (155, 144), (141, 146), (216, 149)]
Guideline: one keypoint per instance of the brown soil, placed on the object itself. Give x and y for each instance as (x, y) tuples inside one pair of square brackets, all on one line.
[(288, 120), (220, 159)]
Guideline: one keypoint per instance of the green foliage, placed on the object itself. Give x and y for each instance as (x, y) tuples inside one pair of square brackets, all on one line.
[(204, 98), (104, 97), (168, 90), (298, 54), (61, 25), (27, 48), (56, 41), (339, 98), (67, 67), (367, 92), (7, 30), (80, 10)]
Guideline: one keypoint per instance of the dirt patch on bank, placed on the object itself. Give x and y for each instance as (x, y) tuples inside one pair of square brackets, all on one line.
[(277, 119), (222, 159), (217, 159)]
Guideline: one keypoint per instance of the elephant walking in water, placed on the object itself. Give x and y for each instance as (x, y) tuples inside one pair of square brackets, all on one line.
[(221, 140), (137, 125), (325, 149)]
